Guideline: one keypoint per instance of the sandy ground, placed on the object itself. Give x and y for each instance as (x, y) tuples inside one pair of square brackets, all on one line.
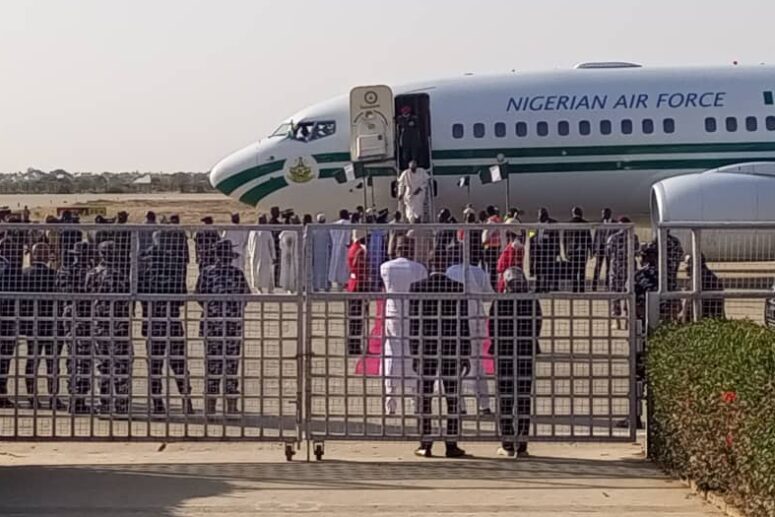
[(125, 480)]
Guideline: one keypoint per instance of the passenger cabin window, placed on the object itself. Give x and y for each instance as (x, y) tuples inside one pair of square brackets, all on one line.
[(309, 131), (457, 131), (769, 122), (542, 128), (627, 126), (648, 126), (563, 128), (521, 129), (605, 127), (751, 124), (585, 128), (731, 123), (500, 129), (668, 125), (478, 130), (710, 125)]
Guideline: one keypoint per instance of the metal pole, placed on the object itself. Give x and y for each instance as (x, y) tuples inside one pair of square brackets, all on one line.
[(508, 190), (361, 168), (373, 201), (697, 273), (508, 187)]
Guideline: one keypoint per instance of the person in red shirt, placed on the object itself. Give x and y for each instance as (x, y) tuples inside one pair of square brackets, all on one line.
[(357, 283), (513, 255), (491, 242)]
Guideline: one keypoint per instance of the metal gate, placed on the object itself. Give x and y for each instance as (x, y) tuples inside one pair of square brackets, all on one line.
[(133, 332), (542, 363), (169, 332)]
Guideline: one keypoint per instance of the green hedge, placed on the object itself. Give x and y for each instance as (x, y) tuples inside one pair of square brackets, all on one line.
[(713, 421)]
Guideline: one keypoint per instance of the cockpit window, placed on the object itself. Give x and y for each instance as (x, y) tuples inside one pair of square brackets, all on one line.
[(284, 129), (308, 131)]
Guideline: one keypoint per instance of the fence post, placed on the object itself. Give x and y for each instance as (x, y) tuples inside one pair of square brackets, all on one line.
[(697, 273)]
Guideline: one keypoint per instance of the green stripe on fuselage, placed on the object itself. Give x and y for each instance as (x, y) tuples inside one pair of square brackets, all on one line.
[(232, 183), (260, 191), (606, 150), (623, 165)]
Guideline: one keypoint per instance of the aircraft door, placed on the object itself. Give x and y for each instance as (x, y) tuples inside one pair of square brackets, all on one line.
[(413, 130), (371, 124)]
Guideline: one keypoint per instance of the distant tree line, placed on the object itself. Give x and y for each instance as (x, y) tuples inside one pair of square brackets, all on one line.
[(59, 181)]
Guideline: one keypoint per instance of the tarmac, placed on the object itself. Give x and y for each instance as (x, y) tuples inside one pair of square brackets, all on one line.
[(355, 478)]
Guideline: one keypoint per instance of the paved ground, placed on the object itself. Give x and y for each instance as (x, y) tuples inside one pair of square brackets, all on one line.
[(122, 480)]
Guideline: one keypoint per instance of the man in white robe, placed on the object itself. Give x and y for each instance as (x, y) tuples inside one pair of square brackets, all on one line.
[(239, 241), (289, 258), (398, 275), (261, 255), (413, 186), (338, 273), (321, 255), (476, 281)]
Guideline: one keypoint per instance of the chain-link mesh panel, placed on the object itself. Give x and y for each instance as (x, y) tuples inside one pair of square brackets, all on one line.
[(157, 332)]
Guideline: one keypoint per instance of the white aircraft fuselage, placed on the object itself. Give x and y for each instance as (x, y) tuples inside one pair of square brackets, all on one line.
[(595, 138)]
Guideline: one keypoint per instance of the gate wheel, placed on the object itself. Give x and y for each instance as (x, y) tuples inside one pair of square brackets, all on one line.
[(289, 452)]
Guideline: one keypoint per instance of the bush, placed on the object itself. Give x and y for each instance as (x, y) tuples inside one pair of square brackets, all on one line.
[(713, 388)]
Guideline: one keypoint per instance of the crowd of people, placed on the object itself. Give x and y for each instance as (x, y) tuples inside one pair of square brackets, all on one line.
[(97, 329), (426, 338)]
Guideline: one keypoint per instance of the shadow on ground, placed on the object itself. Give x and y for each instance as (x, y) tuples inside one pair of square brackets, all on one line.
[(96, 490), (158, 489)]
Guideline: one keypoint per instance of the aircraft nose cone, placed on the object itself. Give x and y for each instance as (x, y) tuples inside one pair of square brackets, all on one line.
[(225, 175)]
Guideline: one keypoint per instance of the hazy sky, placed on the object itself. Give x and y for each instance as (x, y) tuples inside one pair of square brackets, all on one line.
[(169, 85)]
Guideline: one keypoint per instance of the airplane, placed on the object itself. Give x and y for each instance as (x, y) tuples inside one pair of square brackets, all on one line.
[(598, 135)]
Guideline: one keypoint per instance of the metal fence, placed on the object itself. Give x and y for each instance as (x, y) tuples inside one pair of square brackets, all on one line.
[(507, 333), (733, 278)]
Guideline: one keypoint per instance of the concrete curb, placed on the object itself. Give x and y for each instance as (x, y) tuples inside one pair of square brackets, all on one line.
[(714, 499)]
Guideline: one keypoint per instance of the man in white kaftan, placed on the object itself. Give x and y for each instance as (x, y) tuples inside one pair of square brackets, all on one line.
[(239, 241), (289, 259), (321, 255), (261, 255), (398, 275), (340, 240), (476, 281), (413, 186)]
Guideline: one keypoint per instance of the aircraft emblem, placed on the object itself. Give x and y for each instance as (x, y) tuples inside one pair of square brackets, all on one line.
[(301, 172)]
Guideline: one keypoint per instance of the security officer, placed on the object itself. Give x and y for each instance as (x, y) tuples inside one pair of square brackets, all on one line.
[(110, 330), (544, 254), (9, 280), (222, 326), (162, 327), (37, 317), (646, 278), (440, 344), (409, 136), (599, 249), (68, 238), (514, 327), (578, 245), (76, 325)]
